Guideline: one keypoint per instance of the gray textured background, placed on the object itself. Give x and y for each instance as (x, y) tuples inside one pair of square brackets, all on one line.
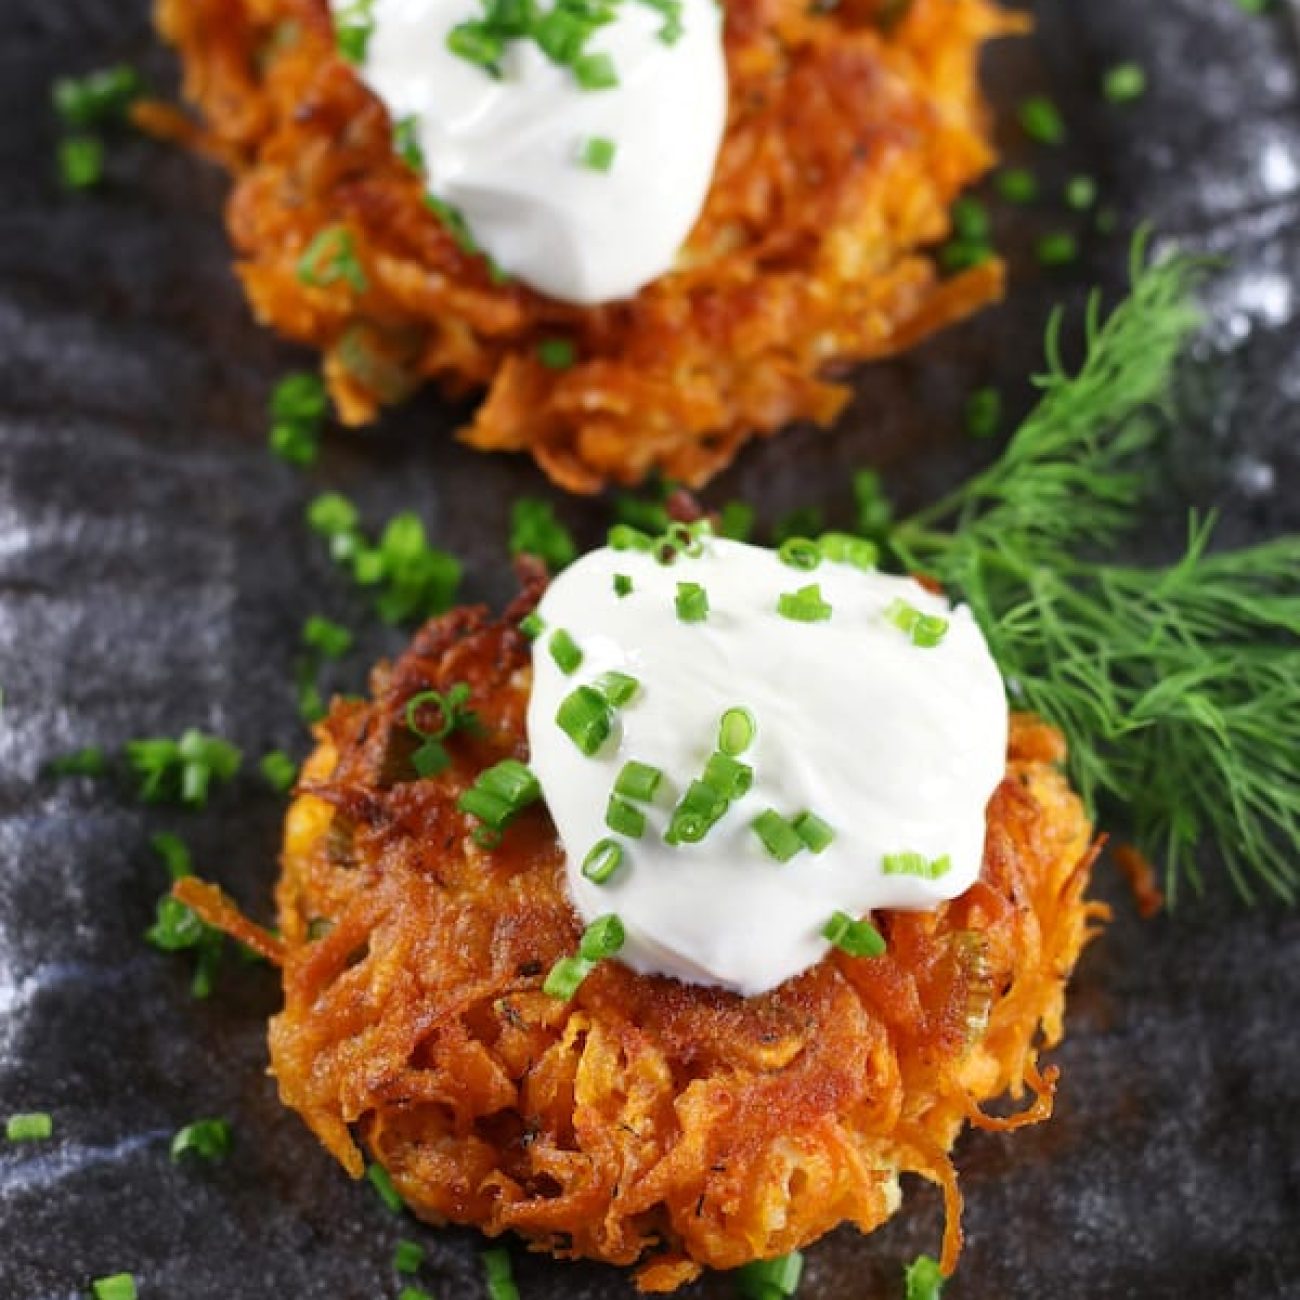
[(154, 574)]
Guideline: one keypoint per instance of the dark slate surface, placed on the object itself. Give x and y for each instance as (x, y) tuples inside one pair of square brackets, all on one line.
[(154, 574)]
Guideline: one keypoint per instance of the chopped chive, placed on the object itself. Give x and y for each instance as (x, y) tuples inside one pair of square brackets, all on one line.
[(408, 1257), (970, 220), (770, 1279), (1255, 6), (332, 515), (381, 1181), (844, 548), (564, 650), (331, 257), (413, 1293), (500, 1275), (638, 781), (500, 794), (857, 938), (406, 143), (736, 731), (961, 255), (278, 770), (778, 836), (916, 864), (332, 639), (174, 852), (924, 630), (33, 1126), (585, 717), (624, 818), (209, 1139), (1059, 248), (816, 834), (923, 1279), (1041, 120), (475, 42), (617, 688), (983, 412), (875, 514), (534, 530), (697, 812), (557, 354), (99, 97), (622, 585), (692, 602), (623, 537), (595, 72), (181, 770), (605, 857), (532, 625), (81, 161), (1017, 185), (799, 553), (430, 759), (736, 521), (118, 1286), (564, 978), (354, 25), (804, 606), (1081, 193), (598, 153), (728, 776), (1124, 83), (89, 761), (602, 938)]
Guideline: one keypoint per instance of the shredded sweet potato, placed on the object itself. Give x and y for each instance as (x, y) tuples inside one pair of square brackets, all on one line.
[(851, 130), (648, 1122)]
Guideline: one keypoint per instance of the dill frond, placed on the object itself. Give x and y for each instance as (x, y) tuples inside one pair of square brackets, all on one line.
[(1178, 687)]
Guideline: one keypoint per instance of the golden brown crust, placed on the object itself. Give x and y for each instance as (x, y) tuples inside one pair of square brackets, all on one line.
[(648, 1121), (847, 141)]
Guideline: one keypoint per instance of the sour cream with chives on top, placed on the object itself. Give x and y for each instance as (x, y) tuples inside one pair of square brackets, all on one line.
[(576, 139), (746, 751)]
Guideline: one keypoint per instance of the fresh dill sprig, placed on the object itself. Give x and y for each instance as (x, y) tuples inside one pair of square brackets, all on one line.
[(1178, 687)]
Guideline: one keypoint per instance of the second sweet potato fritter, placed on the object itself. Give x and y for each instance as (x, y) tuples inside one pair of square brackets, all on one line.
[(646, 1122), (851, 130)]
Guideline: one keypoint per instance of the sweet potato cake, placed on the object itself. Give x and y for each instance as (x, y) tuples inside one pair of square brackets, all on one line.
[(851, 129), (646, 1122)]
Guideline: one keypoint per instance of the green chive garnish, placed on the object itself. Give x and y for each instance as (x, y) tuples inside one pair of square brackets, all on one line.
[(1081, 193), (413, 1293), (605, 857), (118, 1286), (916, 864), (1059, 248), (804, 606), (617, 688), (983, 412), (924, 630), (692, 602), (728, 776), (331, 257), (500, 1276), (34, 1126), (557, 354), (844, 548), (624, 818), (279, 771), (564, 650), (638, 781), (209, 1139), (736, 731), (354, 25), (602, 938), (857, 938), (89, 761), (564, 978), (81, 161), (595, 72), (699, 809), (1017, 185), (383, 1184), (778, 836), (623, 537), (816, 834), (1041, 120), (598, 153), (799, 553), (408, 1257), (736, 521), (970, 220), (622, 585), (97, 98), (1124, 83), (332, 639), (770, 1279), (534, 530), (500, 794), (585, 717), (923, 1279), (532, 625)]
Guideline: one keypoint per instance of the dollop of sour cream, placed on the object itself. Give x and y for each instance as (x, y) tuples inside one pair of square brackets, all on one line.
[(508, 152), (896, 746)]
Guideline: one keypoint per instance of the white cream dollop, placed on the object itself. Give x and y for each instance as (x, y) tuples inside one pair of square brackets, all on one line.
[(896, 746), (507, 152)]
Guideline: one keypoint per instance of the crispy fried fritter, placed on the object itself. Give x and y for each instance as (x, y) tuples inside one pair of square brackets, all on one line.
[(852, 128), (648, 1121)]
